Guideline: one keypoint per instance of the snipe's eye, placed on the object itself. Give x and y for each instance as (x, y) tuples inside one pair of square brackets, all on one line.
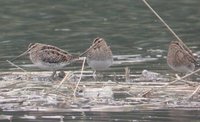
[(176, 43)]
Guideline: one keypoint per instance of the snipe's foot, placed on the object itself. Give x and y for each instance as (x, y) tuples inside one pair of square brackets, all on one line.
[(61, 74)]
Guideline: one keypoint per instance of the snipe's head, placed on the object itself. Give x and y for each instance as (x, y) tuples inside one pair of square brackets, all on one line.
[(97, 43), (31, 47), (176, 45)]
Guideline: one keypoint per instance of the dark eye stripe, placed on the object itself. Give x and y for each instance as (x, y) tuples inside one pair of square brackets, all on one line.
[(96, 39)]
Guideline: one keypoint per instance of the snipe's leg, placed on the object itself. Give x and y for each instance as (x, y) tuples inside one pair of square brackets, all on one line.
[(98, 76), (52, 77), (94, 75), (61, 74)]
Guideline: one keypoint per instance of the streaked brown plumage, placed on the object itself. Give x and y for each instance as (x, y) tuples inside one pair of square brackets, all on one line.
[(99, 55), (179, 59), (48, 57)]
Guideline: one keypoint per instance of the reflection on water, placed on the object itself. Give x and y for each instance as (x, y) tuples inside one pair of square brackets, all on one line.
[(135, 35), (134, 116)]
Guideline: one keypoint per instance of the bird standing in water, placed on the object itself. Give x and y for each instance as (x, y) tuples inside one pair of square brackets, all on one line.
[(48, 57), (99, 56)]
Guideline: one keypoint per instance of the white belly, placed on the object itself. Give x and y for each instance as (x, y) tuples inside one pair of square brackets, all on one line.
[(183, 69), (48, 66), (100, 65)]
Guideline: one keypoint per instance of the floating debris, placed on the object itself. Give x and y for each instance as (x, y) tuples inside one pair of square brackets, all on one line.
[(31, 95), (150, 76), (105, 92)]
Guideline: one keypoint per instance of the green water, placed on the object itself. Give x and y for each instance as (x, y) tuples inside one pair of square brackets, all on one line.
[(128, 26), (135, 116)]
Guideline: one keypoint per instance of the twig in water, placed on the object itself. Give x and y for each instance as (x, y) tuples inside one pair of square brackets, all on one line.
[(12, 85), (147, 93), (127, 74), (83, 65), (189, 51), (68, 76), (188, 82), (195, 91), (187, 75), (164, 86), (16, 66)]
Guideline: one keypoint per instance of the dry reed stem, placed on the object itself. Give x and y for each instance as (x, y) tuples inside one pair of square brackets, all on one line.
[(11, 85), (195, 91), (187, 82), (16, 66), (187, 75), (164, 86), (82, 68), (189, 51), (127, 74), (67, 77)]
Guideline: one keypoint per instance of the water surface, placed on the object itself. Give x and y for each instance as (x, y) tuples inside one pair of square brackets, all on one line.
[(128, 26)]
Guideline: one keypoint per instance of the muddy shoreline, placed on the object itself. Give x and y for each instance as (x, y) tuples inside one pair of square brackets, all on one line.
[(31, 91)]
